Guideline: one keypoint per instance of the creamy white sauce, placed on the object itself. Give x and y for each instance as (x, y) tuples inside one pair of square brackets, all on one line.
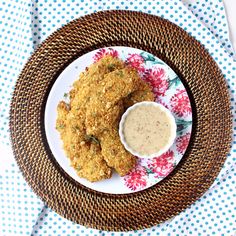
[(147, 129)]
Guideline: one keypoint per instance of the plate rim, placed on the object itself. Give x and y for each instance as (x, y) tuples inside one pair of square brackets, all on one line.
[(52, 89)]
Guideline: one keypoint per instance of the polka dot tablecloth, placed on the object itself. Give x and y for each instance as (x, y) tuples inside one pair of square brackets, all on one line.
[(24, 24)]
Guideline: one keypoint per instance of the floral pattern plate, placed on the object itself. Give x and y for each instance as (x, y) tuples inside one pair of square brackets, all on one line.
[(168, 90)]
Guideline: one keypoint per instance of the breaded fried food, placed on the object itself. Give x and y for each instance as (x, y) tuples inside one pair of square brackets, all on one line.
[(62, 112), (88, 161), (88, 81), (114, 153), (88, 124), (105, 106), (103, 115), (83, 152), (143, 93), (91, 164)]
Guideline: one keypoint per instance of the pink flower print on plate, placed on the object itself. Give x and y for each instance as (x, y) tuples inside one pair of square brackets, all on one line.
[(137, 178), (182, 143), (136, 61), (104, 52), (180, 103), (162, 165), (157, 78)]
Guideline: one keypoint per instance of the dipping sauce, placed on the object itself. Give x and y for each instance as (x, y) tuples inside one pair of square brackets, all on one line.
[(148, 129)]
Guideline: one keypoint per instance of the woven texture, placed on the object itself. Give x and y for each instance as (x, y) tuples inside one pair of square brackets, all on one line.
[(212, 125)]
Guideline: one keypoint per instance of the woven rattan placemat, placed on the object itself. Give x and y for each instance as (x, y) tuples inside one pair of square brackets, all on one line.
[(212, 125)]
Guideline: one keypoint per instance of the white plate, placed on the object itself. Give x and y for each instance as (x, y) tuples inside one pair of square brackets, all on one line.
[(169, 91)]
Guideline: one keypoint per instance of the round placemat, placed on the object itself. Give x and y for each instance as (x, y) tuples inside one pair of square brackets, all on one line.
[(168, 91), (209, 144)]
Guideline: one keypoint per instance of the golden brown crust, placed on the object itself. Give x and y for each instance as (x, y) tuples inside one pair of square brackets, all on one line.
[(91, 164), (88, 125), (115, 154), (144, 93)]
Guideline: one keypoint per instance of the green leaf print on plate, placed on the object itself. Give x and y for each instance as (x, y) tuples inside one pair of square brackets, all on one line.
[(147, 57), (182, 125)]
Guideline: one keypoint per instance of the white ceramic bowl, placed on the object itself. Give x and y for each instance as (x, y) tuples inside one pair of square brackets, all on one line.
[(172, 124)]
